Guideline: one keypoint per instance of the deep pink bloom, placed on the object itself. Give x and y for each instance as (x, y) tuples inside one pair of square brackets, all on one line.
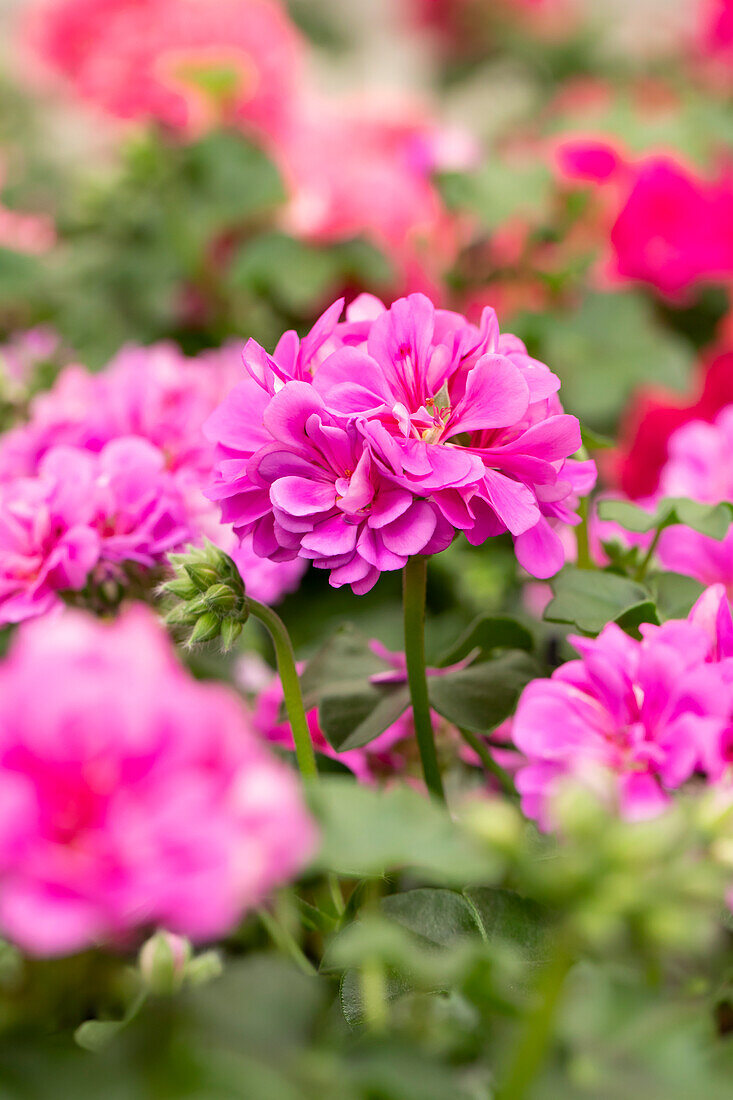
[(132, 795), (416, 424), (633, 719), (187, 64), (715, 33), (675, 228)]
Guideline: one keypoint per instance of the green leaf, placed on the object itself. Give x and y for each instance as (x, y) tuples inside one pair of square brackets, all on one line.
[(590, 598), (674, 594), (713, 520), (93, 1035), (345, 658), (367, 832), (499, 190), (337, 720), (488, 632), (480, 697)]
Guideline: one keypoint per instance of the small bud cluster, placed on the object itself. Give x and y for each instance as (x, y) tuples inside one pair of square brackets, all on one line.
[(212, 599), (167, 963)]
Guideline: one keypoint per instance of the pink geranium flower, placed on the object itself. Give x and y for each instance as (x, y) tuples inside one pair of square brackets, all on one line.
[(132, 796), (47, 543), (633, 719), (161, 399), (416, 424), (186, 64)]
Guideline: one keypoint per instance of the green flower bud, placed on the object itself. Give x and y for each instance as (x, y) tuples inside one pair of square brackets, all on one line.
[(183, 587), (201, 574), (163, 961), (206, 629), (230, 631), (221, 599), (204, 968)]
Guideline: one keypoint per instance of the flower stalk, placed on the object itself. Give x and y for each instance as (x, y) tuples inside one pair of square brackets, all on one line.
[(413, 592)]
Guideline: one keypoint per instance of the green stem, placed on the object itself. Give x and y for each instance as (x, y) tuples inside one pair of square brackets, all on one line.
[(374, 994), (535, 1037), (646, 560), (484, 753), (413, 593), (584, 560), (283, 939), (285, 657)]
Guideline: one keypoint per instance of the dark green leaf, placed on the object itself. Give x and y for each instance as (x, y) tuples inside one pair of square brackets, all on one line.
[(488, 632), (674, 594), (345, 658), (590, 598), (480, 697)]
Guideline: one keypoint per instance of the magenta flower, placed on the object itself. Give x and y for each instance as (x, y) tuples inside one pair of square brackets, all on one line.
[(47, 543), (631, 718), (132, 795), (160, 398), (416, 424)]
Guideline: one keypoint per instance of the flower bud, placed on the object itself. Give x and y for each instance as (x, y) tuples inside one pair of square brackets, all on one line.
[(220, 598), (183, 587), (204, 968), (230, 631), (201, 574), (163, 961), (206, 629)]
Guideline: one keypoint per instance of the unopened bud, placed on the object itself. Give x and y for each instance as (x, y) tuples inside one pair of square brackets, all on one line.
[(204, 968), (206, 629), (220, 598), (163, 961), (202, 575), (230, 631), (183, 587)]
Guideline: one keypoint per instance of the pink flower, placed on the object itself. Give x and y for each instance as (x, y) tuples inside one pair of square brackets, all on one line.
[(160, 398), (715, 33), (186, 64), (699, 466), (416, 423), (631, 718), (47, 543), (356, 172), (675, 228), (132, 796)]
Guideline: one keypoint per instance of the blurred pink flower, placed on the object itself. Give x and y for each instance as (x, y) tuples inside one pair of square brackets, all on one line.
[(665, 224), (47, 543), (699, 466), (353, 172), (186, 64), (160, 398), (132, 795), (632, 719)]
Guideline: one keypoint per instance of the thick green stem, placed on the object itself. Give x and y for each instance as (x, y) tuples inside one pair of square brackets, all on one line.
[(413, 593), (536, 1030), (291, 687)]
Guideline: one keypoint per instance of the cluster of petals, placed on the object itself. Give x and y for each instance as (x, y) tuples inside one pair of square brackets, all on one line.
[(185, 64), (633, 719), (132, 796), (667, 225), (378, 438), (124, 453)]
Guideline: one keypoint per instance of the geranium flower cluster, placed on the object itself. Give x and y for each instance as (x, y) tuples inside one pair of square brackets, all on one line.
[(108, 472), (378, 438), (132, 795), (633, 719), (667, 225)]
